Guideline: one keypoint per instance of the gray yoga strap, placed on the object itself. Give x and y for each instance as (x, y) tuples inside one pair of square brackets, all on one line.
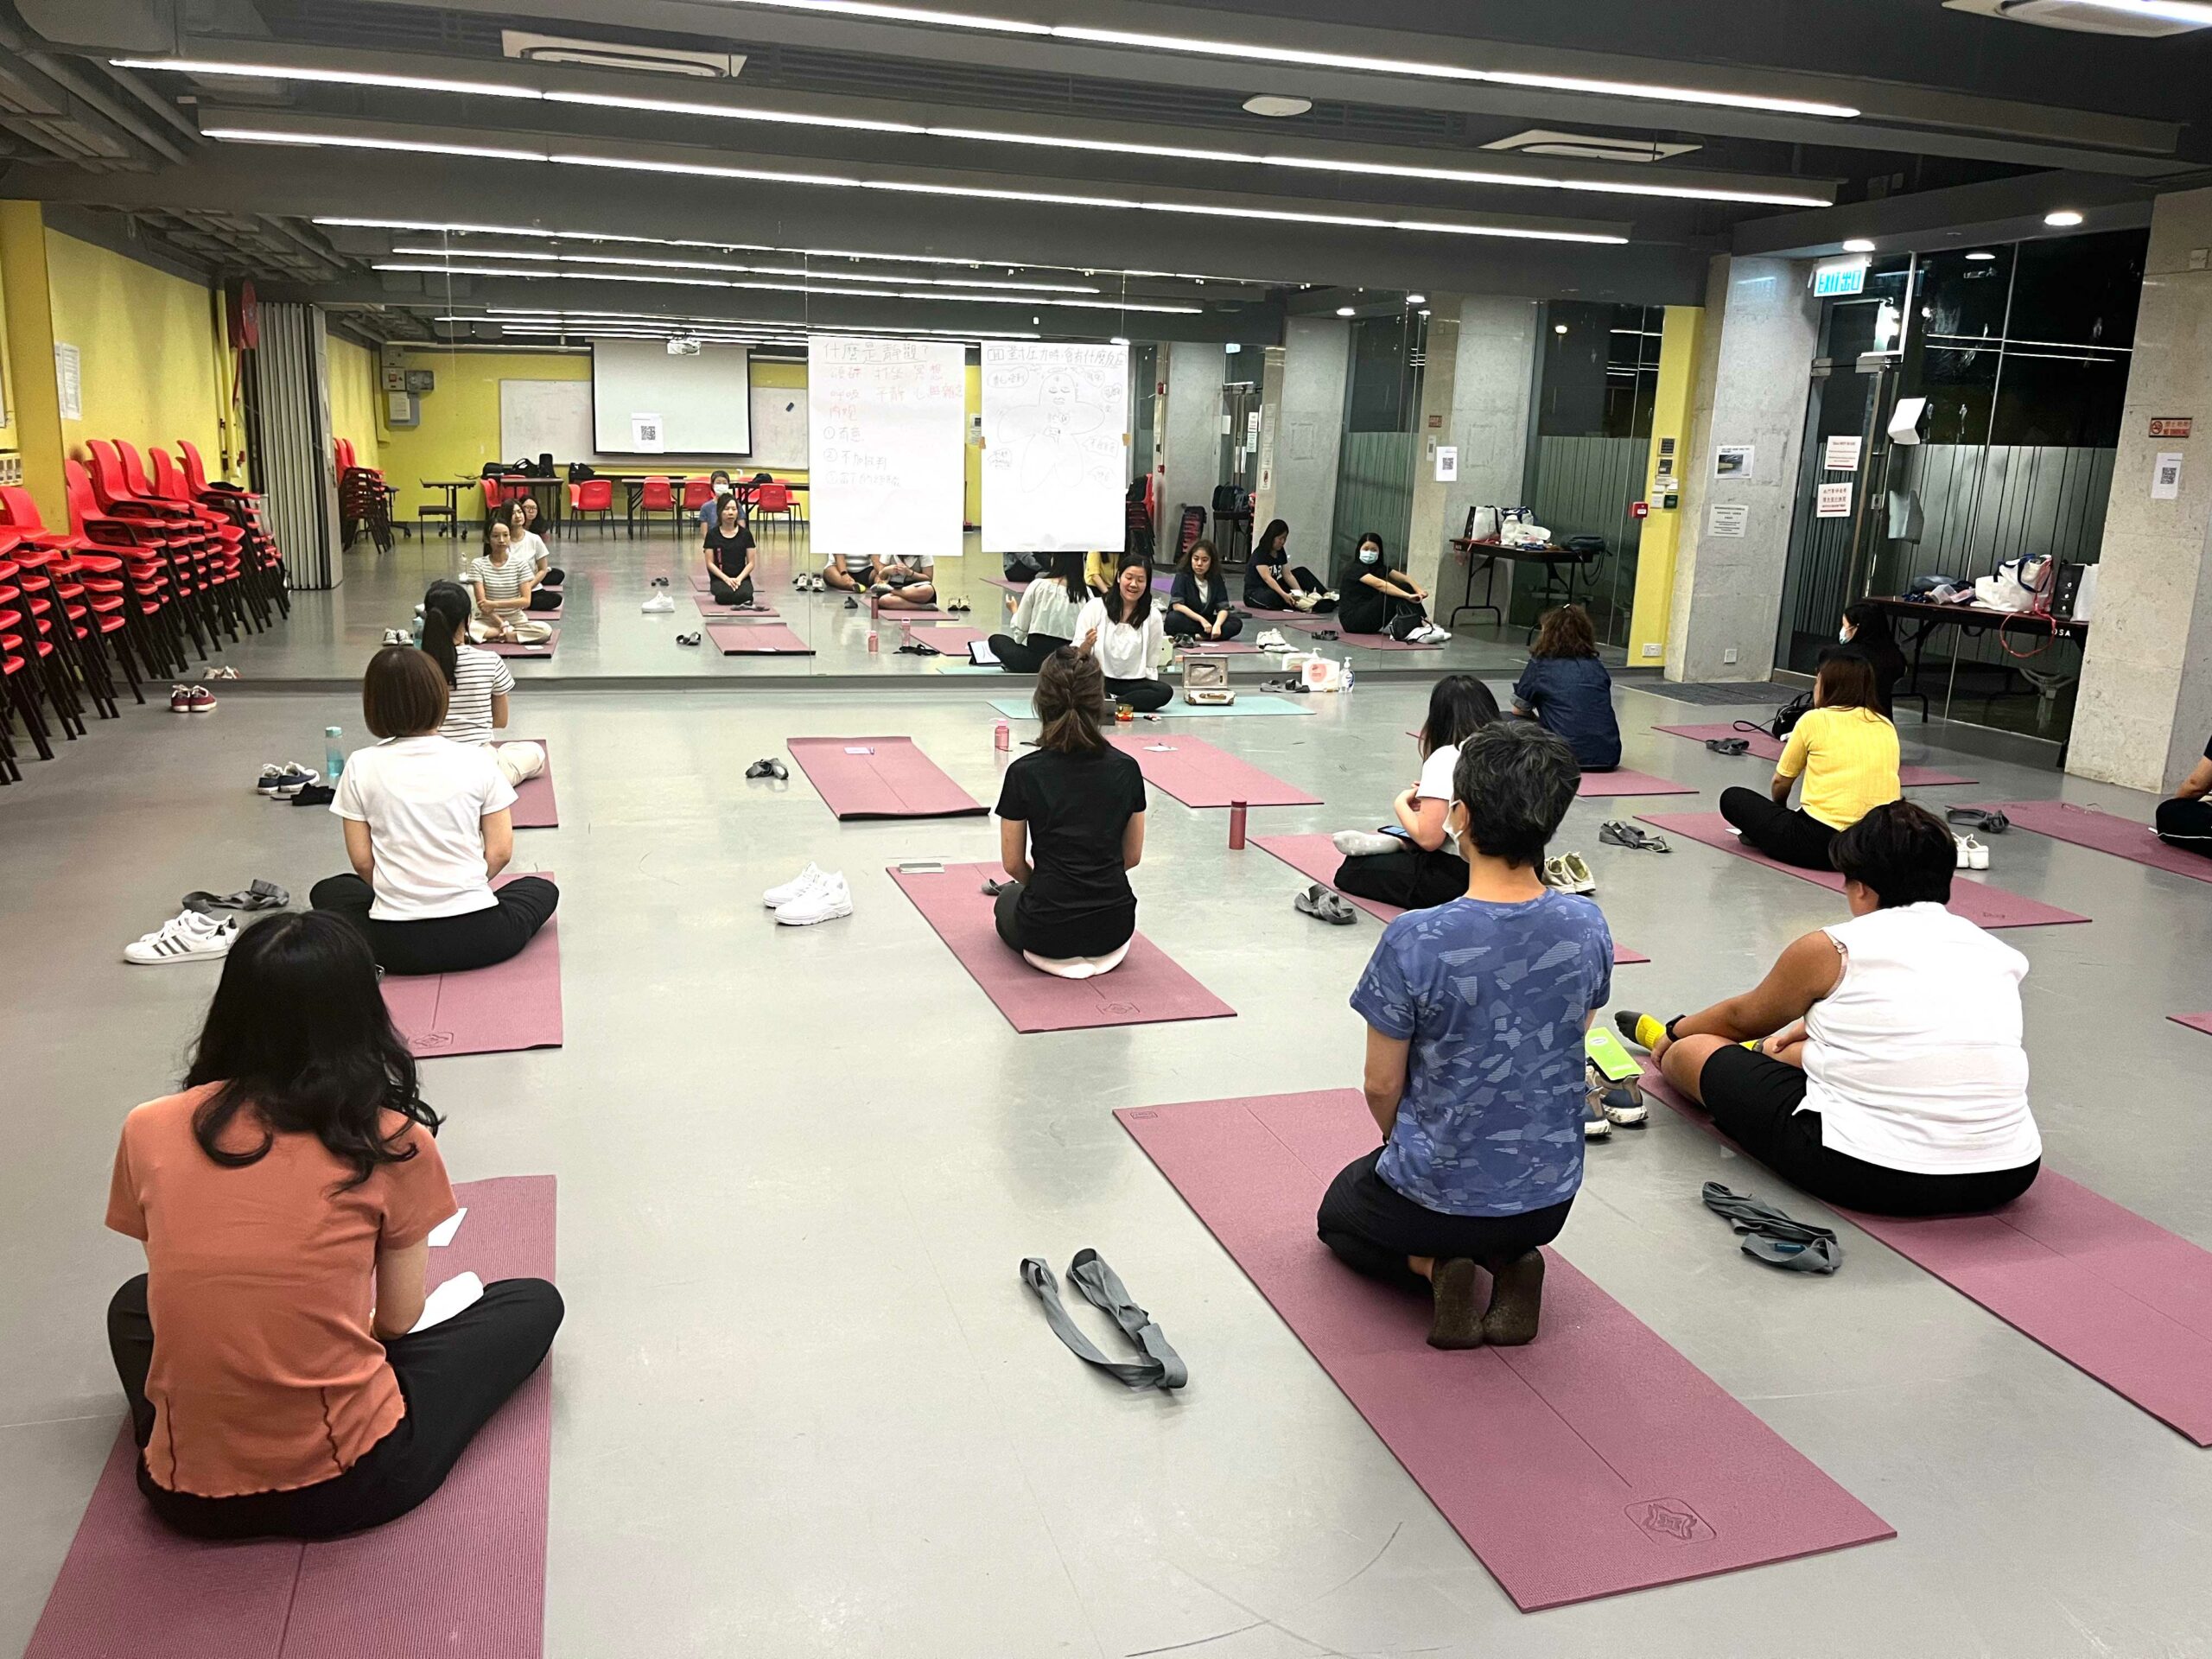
[(1776, 1238), (1100, 1286)]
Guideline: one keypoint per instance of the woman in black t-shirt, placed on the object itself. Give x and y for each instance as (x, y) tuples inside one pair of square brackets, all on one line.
[(1866, 631), (728, 548), (1379, 600), (2184, 819), (1273, 583), (1070, 825)]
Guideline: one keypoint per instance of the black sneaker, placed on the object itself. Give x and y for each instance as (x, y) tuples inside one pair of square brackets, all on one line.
[(316, 795)]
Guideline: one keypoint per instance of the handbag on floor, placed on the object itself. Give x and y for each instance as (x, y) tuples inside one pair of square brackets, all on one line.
[(1786, 717)]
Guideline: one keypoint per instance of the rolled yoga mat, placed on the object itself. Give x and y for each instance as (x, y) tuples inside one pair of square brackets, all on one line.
[(1595, 1460), (498, 1010), (1197, 774), (464, 1573), (1766, 747), (1147, 988), (534, 807), (1316, 857), (2111, 1293), (880, 778), (1979, 902), (756, 639), (2107, 832), (509, 648)]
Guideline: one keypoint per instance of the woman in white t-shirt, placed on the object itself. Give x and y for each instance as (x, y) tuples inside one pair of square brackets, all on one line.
[(1890, 1077), (501, 583), (524, 541), (427, 829), (477, 684), (1123, 630), (1414, 866)]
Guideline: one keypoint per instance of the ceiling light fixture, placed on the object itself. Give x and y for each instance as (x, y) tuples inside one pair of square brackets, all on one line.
[(755, 271), (1981, 256), (423, 268), (1416, 299), (1859, 245), (1347, 311), (727, 112), (2063, 219), (350, 141), (1277, 105)]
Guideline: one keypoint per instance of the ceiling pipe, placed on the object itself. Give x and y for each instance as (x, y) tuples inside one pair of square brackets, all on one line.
[(68, 78), (153, 101)]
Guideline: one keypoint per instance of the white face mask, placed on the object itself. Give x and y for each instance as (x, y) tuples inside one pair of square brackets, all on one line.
[(1369, 555), (722, 489), (1843, 634)]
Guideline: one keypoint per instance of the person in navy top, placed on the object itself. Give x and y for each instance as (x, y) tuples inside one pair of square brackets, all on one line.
[(1475, 1011), (1566, 688)]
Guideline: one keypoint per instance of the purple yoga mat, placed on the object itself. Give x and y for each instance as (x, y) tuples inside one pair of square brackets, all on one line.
[(1769, 749), (756, 639), (1147, 988), (731, 612), (1316, 857), (2107, 832), (509, 648), (894, 780), (1597, 786), (471, 1562), (1979, 902), (1306, 623), (2195, 1021), (1595, 1460), (1197, 774), (2108, 1292), (498, 1010), (534, 807)]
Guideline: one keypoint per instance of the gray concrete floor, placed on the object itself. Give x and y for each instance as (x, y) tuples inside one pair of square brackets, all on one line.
[(802, 1403)]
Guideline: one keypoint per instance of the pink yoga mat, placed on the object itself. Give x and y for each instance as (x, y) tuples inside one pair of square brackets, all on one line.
[(1597, 786), (469, 1564), (756, 639), (1317, 858), (1769, 749), (497, 1010), (1595, 1460), (509, 648), (2108, 1292), (2107, 832), (953, 638), (1314, 624), (534, 807), (2195, 1021), (1216, 648), (1197, 774), (1147, 988), (892, 780), (1979, 902), (708, 607)]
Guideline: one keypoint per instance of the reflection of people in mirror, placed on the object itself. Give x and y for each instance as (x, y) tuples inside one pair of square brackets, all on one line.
[(1043, 437)]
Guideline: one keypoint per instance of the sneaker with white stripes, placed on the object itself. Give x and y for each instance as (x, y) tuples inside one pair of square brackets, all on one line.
[(187, 937), (806, 881)]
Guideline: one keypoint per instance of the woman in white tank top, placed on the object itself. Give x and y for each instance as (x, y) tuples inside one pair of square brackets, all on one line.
[(1890, 1077)]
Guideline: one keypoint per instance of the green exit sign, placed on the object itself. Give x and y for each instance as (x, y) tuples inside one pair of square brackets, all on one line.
[(1847, 278)]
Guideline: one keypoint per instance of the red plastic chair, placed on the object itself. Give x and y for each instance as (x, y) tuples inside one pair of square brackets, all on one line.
[(263, 561), (774, 499), (698, 492), (146, 570), (594, 498)]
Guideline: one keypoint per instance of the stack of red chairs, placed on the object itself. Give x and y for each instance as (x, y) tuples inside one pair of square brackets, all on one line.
[(264, 566), (363, 500), (62, 607)]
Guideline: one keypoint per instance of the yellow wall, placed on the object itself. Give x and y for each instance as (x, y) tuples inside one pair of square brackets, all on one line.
[(1670, 418), (8, 439), (152, 365), (352, 375)]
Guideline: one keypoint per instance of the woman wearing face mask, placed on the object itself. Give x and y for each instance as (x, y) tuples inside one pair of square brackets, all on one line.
[(1123, 631), (1379, 600), (1198, 607), (712, 509), (1866, 633)]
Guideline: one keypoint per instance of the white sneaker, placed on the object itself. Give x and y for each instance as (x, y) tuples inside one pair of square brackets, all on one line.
[(1430, 634), (1366, 843), (1579, 879), (1272, 640), (187, 937), (1971, 854), (659, 605), (825, 901), (808, 879)]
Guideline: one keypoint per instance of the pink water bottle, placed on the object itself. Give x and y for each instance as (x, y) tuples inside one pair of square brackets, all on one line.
[(1236, 826), (1002, 737), (871, 646)]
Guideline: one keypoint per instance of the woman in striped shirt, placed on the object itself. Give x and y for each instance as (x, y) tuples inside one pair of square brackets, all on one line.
[(479, 682), (502, 583), (527, 545)]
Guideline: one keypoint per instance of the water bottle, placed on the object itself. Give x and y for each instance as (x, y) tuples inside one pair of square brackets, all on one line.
[(333, 754), (1002, 737)]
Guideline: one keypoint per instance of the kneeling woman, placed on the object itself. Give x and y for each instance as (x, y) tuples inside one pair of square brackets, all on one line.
[(1121, 631), (277, 1385), (1197, 606), (1848, 754), (1044, 620), (1417, 868), (427, 828), (1070, 825), (1890, 1077)]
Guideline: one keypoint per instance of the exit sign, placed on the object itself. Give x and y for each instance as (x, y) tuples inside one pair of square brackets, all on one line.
[(1847, 278)]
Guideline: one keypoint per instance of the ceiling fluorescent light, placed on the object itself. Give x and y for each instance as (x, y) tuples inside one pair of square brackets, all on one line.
[(1385, 223), (325, 75), (1102, 303), (698, 170), (887, 14), (1049, 198), (728, 112), (754, 271), (348, 141)]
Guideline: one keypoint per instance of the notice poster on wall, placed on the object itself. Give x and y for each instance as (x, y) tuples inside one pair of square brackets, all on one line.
[(2166, 477), (1833, 501), (648, 436), (69, 380), (1734, 460), (888, 445), (1056, 435), (1842, 455), (1727, 520)]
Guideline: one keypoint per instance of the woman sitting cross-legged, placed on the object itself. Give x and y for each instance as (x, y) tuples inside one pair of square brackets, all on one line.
[(1416, 867), (1071, 827), (527, 543), (1043, 620), (1848, 755), (2184, 820), (1123, 630), (477, 684), (1566, 688), (1272, 583), (503, 582), (728, 549), (1378, 599), (1890, 1076), (1198, 605), (1476, 1012), (427, 828), (278, 1386)]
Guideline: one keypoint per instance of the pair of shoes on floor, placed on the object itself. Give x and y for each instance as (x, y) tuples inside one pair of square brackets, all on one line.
[(1322, 904), (315, 795), (1973, 854), (808, 581), (1618, 832), (813, 895), (687, 639), (1428, 635), (223, 671), (397, 637), (188, 936), (958, 607), (282, 783), (770, 768), (660, 582), (1567, 873), (1272, 640), (1516, 1301), (918, 648), (1728, 745), (1368, 843), (191, 699), (1607, 1105), (659, 604), (1296, 686)]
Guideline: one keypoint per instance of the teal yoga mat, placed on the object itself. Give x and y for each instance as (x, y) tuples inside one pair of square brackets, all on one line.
[(1246, 706)]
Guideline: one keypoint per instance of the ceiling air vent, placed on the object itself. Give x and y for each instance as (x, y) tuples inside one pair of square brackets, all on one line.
[(2145, 20), (621, 54), (1589, 147)]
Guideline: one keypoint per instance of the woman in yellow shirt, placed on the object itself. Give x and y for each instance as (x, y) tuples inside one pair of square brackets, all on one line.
[(1847, 755)]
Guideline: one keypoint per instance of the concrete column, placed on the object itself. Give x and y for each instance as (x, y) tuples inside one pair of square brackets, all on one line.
[(1263, 476), (36, 411), (1754, 372), (2145, 708), (1189, 438), (1425, 552), (1488, 376), (1316, 357)]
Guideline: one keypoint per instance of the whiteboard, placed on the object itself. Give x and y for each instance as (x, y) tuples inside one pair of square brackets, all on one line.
[(1055, 433), (555, 417), (703, 401), (889, 458)]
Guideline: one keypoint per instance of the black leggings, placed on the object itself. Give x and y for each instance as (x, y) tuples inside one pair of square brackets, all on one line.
[(1374, 612), (2186, 825), (1180, 626), (1412, 880), (454, 1377), (1754, 1098), (1095, 935), (725, 594), (1146, 697), (443, 945), (542, 600), (1371, 1227), (1024, 656), (1788, 833)]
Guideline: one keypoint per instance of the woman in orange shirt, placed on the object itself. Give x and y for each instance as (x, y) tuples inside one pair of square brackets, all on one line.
[(286, 1199)]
